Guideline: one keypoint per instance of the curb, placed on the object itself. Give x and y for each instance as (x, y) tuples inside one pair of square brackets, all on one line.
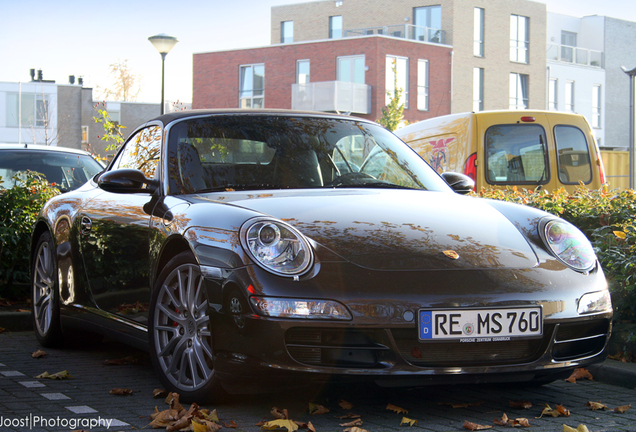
[(16, 321)]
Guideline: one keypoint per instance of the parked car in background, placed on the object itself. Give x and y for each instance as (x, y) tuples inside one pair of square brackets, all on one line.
[(67, 168), (499, 149), (252, 249)]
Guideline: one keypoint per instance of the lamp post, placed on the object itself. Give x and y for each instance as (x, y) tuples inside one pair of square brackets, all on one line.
[(164, 44), (632, 74)]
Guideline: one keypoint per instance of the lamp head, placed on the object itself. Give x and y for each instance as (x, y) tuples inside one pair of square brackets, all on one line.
[(163, 42)]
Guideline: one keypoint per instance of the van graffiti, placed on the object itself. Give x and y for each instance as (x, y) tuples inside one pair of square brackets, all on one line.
[(439, 154)]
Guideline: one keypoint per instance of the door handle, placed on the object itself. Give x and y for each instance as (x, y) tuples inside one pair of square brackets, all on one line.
[(85, 225)]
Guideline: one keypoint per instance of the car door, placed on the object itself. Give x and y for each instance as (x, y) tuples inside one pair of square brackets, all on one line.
[(114, 234)]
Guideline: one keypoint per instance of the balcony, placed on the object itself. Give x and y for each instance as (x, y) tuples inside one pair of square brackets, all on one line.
[(332, 96), (575, 55), (404, 31)]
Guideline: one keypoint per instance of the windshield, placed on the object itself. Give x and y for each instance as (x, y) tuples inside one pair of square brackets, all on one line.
[(244, 152), (67, 171)]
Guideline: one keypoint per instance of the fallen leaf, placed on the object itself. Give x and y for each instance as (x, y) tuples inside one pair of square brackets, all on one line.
[(121, 392), (279, 424), (396, 409), (355, 429), (622, 409), (58, 375), (212, 416), (311, 427), (121, 361), (503, 421), (461, 405), (563, 410), (159, 393), (173, 400), (522, 422), (356, 422), (506, 421), (202, 425), (164, 418), (38, 354), (474, 426), (2, 329), (581, 428), (408, 421), (279, 413), (520, 404), (181, 423), (345, 405), (317, 409), (596, 406), (232, 424), (579, 374)]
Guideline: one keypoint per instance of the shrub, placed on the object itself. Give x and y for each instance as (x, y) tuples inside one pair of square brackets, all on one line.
[(607, 219), (19, 207)]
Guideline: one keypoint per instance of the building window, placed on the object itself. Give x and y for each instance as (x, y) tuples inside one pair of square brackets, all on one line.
[(428, 23), (569, 96), (286, 32), (252, 86), (596, 106), (422, 85), (478, 49), (478, 89), (519, 39), (553, 86), (84, 134), (335, 27), (28, 110), (397, 74), (351, 69), (302, 72), (519, 91), (568, 44)]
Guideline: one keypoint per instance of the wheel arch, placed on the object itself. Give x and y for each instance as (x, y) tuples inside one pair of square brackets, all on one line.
[(173, 247)]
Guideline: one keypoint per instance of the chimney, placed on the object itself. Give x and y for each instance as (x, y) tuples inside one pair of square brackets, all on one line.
[(39, 74), (80, 81), (71, 79), (32, 71)]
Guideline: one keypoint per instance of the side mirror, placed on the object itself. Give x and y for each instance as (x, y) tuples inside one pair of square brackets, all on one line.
[(126, 180), (460, 183)]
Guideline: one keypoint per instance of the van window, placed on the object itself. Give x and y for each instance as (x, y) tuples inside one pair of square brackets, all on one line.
[(516, 154), (574, 156)]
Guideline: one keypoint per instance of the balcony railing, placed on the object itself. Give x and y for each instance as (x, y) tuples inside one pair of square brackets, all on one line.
[(332, 96), (575, 55), (405, 31)]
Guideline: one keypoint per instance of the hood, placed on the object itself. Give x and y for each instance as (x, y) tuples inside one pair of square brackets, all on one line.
[(396, 229)]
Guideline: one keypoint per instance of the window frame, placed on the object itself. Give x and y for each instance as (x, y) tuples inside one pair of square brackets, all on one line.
[(521, 83), (298, 63), (352, 68), (519, 44), (423, 76), (597, 98), (284, 37), (389, 85), (553, 94), (478, 89), (479, 18), (249, 94), (334, 32), (570, 96)]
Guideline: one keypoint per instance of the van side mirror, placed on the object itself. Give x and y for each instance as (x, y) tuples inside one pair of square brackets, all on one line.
[(460, 183)]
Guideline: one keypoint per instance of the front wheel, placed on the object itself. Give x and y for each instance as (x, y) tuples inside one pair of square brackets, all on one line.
[(45, 296), (180, 334)]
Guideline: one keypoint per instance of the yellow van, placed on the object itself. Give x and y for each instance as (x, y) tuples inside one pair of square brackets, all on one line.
[(527, 149)]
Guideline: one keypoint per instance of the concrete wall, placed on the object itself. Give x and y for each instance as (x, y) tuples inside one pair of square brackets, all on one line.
[(216, 74), (618, 52)]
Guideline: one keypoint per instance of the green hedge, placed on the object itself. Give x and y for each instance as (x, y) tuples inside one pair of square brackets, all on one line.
[(19, 207), (607, 219)]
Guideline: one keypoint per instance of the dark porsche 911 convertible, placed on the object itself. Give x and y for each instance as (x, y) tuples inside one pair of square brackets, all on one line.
[(245, 247)]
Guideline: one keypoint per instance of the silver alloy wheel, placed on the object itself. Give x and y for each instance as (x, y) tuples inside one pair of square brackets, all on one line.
[(181, 329), (43, 285)]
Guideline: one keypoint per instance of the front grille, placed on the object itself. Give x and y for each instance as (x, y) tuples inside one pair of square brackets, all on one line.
[(581, 339), (450, 354), (336, 348)]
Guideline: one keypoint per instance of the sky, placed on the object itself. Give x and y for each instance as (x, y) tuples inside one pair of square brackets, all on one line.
[(84, 37)]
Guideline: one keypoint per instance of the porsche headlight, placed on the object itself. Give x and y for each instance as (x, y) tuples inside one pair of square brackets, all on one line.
[(276, 246), (569, 244)]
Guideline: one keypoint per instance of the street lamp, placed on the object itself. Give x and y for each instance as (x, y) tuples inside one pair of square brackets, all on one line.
[(164, 44), (632, 74)]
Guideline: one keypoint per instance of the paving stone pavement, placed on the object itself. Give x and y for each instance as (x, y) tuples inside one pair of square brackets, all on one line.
[(84, 402)]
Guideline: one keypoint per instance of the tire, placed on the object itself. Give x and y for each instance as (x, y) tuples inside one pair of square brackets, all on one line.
[(180, 335), (45, 295)]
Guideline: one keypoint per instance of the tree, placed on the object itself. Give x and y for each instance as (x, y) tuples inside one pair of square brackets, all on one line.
[(393, 113), (126, 86)]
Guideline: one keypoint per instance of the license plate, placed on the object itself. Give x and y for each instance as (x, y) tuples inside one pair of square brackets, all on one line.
[(480, 325)]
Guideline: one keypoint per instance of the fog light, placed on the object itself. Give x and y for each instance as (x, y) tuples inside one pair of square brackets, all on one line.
[(595, 302), (300, 308)]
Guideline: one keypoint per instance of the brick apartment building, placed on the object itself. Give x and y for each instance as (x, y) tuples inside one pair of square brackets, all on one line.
[(450, 56)]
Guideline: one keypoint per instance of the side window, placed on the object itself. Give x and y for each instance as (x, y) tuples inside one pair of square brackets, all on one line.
[(516, 154), (574, 156), (142, 152)]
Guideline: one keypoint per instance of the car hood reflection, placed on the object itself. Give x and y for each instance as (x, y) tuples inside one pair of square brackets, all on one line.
[(427, 230)]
